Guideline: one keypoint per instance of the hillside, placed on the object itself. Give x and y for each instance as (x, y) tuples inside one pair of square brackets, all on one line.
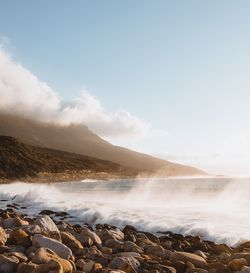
[(79, 139), (22, 161)]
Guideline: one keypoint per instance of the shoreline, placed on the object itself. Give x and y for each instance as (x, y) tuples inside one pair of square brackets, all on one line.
[(47, 242), (70, 176)]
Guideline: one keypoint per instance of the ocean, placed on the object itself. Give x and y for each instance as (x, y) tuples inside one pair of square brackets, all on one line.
[(215, 208)]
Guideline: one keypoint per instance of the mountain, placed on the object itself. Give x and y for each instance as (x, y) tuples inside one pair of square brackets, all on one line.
[(22, 161), (79, 139)]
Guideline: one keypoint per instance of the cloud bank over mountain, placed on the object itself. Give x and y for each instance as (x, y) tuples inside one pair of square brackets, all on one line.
[(22, 93)]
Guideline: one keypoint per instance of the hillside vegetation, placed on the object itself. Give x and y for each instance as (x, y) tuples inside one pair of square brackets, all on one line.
[(19, 160)]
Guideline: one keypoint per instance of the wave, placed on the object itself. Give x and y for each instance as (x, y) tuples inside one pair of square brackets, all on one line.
[(215, 209)]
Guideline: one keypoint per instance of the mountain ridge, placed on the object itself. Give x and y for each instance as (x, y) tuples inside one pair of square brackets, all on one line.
[(25, 162), (79, 139)]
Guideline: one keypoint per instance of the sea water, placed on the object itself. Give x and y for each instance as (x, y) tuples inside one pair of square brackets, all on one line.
[(215, 208)]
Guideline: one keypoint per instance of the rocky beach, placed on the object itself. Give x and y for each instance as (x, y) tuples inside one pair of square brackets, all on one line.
[(49, 243)]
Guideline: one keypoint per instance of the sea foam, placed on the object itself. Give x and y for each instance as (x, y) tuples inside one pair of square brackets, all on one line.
[(216, 209)]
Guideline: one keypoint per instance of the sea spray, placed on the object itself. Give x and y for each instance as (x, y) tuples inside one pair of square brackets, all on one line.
[(214, 208)]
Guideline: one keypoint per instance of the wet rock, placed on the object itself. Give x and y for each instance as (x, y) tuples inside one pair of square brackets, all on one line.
[(44, 255), (4, 249), (105, 234), (241, 255), (47, 212), (32, 229), (219, 267), (98, 258), (168, 269), (113, 271), (13, 223), (8, 264), (224, 258), (61, 214), (20, 256), (179, 266), (197, 270), (51, 266), (48, 227), (245, 269), (85, 240), (92, 235), (114, 244), (106, 250), (237, 264), (127, 264), (129, 254), (129, 229), (151, 237), (70, 241), (26, 267), (185, 256), (201, 253), (155, 250), (221, 248), (59, 248), (85, 266), (132, 247), (142, 240), (3, 237), (20, 237)]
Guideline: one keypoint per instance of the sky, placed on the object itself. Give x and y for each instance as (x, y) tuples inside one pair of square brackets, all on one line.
[(170, 78)]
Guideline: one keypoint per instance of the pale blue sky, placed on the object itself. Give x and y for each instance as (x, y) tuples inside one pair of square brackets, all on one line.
[(182, 66)]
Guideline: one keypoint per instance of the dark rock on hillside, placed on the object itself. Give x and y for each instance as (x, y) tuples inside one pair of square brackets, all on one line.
[(20, 161), (79, 139)]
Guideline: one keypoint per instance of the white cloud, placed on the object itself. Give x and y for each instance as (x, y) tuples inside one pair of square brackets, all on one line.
[(22, 93), (88, 110)]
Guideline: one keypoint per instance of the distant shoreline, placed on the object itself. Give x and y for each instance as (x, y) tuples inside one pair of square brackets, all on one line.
[(82, 175)]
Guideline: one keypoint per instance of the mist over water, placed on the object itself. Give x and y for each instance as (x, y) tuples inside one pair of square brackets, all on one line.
[(215, 208)]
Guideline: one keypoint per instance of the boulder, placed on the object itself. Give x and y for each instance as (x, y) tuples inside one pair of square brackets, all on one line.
[(20, 237), (3, 237), (45, 255), (92, 235), (188, 257), (13, 222), (241, 255), (142, 240), (219, 267), (197, 270), (221, 248), (179, 266), (20, 256), (59, 248), (48, 227), (51, 267), (70, 241), (8, 264), (114, 271), (85, 266), (127, 264), (245, 269), (155, 250), (201, 253), (129, 254), (85, 240), (32, 229), (26, 267), (132, 247), (237, 264), (106, 250), (114, 244), (105, 234), (168, 269)]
